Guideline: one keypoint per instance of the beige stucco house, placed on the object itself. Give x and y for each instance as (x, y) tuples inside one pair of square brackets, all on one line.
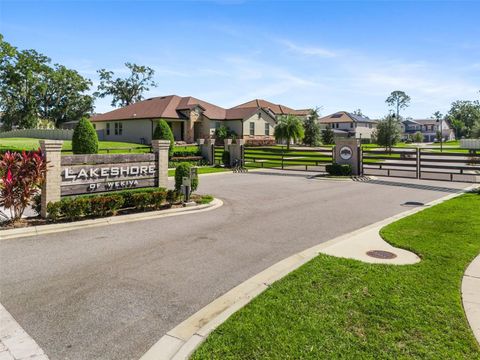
[(345, 124), (429, 128), (190, 119)]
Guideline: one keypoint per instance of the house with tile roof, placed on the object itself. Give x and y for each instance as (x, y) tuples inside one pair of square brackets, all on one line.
[(190, 119), (346, 124), (429, 129)]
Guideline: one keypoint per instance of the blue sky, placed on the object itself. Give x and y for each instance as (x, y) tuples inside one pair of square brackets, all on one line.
[(336, 55)]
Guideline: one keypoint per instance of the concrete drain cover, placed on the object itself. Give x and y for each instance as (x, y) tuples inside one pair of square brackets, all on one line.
[(381, 254)]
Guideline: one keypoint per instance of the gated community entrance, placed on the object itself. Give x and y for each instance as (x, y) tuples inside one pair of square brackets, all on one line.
[(84, 174), (429, 163)]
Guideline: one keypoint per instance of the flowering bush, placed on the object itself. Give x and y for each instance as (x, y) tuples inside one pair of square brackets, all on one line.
[(21, 176)]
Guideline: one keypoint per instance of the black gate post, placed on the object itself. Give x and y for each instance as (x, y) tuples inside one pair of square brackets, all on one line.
[(418, 163)]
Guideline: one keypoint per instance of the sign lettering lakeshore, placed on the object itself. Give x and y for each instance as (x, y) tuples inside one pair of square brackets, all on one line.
[(86, 174)]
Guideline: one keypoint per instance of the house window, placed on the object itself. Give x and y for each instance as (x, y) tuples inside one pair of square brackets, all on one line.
[(108, 128), (252, 128), (218, 124), (267, 129), (351, 125), (118, 128)]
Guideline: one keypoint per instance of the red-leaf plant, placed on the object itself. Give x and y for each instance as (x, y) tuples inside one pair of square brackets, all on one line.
[(22, 176)]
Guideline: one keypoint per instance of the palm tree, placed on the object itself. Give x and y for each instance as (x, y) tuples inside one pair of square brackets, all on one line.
[(289, 128)]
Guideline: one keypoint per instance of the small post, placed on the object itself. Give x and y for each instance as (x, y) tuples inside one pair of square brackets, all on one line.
[(51, 187), (418, 162), (160, 148)]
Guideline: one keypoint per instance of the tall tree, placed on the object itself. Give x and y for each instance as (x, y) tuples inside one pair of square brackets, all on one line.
[(463, 115), (128, 90), (398, 100), (328, 136), (30, 89), (388, 132), (312, 129), (358, 112), (63, 97), (289, 128)]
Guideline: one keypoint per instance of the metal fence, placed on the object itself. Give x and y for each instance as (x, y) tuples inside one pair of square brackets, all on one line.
[(454, 164), (292, 159)]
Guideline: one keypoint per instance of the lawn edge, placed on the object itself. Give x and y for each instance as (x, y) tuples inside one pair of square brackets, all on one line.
[(181, 341)]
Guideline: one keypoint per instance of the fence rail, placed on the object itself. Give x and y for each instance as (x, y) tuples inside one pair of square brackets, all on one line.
[(425, 163)]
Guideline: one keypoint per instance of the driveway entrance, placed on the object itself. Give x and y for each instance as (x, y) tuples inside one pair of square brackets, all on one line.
[(111, 292)]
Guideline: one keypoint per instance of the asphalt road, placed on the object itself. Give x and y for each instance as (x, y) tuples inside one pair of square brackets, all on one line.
[(111, 292)]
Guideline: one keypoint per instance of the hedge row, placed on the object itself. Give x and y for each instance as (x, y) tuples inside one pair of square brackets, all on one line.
[(339, 170), (186, 153), (98, 205)]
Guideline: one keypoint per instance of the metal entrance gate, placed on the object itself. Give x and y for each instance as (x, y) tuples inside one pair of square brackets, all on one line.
[(423, 163)]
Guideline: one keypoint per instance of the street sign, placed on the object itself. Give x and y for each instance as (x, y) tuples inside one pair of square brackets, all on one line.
[(186, 181), (193, 172)]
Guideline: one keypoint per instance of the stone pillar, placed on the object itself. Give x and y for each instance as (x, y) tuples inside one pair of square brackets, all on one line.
[(206, 147), (236, 152), (347, 151), (53, 178), (227, 143), (160, 149)]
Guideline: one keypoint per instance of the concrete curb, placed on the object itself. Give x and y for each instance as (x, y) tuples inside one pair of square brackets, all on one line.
[(471, 296), (181, 341), (15, 343), (53, 228)]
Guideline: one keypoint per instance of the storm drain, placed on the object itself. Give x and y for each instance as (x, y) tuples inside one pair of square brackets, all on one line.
[(381, 254), (413, 203)]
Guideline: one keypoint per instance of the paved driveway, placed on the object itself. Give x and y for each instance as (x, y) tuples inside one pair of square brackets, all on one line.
[(111, 292)]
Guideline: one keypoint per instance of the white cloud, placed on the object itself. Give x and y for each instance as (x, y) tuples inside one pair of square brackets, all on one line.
[(308, 50)]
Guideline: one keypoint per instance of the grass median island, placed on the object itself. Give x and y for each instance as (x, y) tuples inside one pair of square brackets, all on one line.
[(333, 308)]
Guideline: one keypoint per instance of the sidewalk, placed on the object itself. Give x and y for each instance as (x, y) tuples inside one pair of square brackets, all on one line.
[(471, 296)]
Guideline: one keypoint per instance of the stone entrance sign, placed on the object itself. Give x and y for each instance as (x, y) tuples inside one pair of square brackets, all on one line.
[(87, 174), (347, 151)]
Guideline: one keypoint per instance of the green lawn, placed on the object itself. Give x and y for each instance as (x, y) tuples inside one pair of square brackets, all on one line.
[(18, 144), (203, 170), (115, 147), (333, 308)]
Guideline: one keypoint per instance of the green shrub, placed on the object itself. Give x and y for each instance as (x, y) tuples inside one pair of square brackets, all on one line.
[(226, 158), (224, 132), (339, 170), (105, 205), (74, 208), (205, 199), (157, 199), (53, 210), (97, 205), (37, 203), (142, 200), (172, 197), (183, 170), (85, 139), (163, 132), (187, 152)]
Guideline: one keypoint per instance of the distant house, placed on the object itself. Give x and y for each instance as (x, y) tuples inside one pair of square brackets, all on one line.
[(69, 124), (190, 119), (345, 124), (428, 128)]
